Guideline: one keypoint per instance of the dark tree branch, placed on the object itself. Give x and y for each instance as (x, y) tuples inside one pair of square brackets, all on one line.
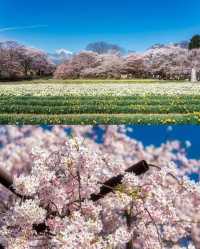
[(108, 186), (6, 180)]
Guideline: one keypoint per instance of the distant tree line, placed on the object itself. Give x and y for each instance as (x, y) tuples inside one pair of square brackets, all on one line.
[(103, 60), (171, 62)]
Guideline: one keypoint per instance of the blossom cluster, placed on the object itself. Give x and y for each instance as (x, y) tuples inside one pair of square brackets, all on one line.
[(55, 176)]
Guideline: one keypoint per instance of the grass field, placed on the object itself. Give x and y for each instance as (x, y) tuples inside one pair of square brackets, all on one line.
[(84, 81), (105, 103)]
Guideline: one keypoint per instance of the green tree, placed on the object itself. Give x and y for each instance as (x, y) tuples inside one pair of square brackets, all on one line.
[(194, 42)]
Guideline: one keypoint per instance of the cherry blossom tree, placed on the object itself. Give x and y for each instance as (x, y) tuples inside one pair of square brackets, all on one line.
[(10, 52), (168, 62), (18, 61), (135, 65), (71, 192), (41, 64), (73, 67), (110, 66)]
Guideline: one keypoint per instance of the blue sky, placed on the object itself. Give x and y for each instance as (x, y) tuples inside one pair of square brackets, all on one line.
[(133, 24)]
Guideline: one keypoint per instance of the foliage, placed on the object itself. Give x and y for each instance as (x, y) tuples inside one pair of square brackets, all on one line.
[(57, 175), (195, 42)]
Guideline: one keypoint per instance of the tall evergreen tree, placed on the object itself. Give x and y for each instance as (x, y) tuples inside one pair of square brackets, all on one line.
[(194, 42)]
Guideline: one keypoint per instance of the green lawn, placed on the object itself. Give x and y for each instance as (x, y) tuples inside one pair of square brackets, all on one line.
[(100, 103), (84, 81)]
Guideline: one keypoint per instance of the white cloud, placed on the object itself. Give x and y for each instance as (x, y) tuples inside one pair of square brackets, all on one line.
[(62, 50), (22, 27)]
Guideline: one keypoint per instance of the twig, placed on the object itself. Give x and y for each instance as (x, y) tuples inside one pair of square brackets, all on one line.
[(157, 230), (79, 190)]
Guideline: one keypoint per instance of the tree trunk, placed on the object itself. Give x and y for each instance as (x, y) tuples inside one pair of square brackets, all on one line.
[(194, 75)]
